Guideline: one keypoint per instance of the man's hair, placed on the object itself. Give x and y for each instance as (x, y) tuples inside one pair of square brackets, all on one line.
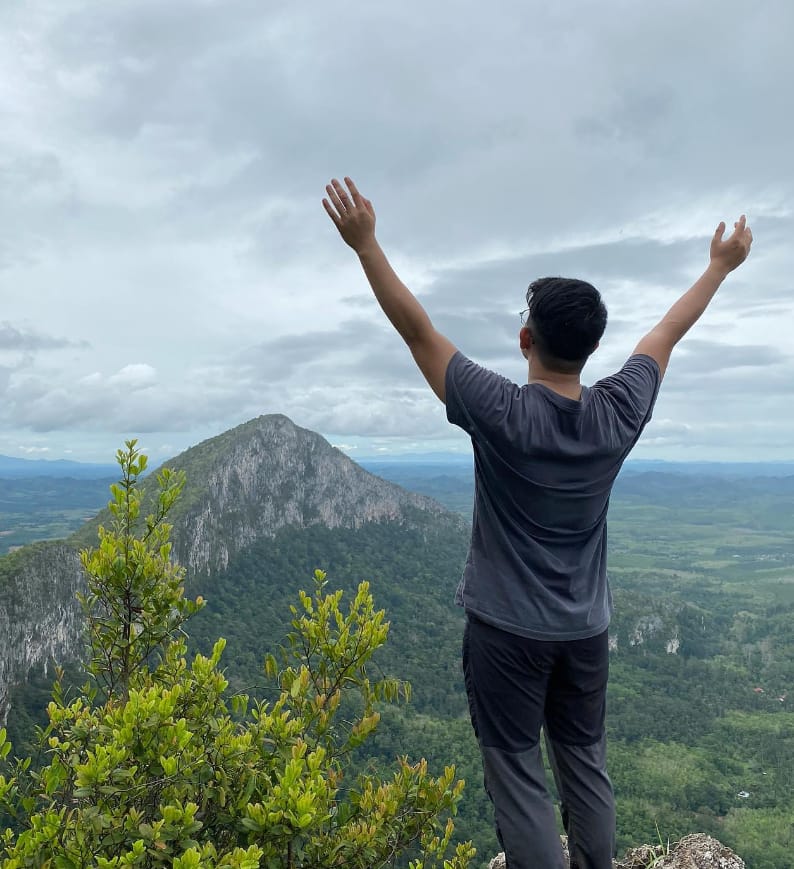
[(567, 318)]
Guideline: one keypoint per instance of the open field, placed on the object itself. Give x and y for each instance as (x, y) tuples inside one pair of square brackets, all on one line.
[(46, 508)]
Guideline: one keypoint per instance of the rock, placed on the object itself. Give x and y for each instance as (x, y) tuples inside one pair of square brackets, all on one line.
[(498, 861), (642, 857), (697, 851)]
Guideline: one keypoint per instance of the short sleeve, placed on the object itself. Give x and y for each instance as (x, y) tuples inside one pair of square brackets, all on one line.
[(632, 391), (478, 400)]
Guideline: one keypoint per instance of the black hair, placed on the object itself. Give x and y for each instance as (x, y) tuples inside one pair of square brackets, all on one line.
[(567, 318)]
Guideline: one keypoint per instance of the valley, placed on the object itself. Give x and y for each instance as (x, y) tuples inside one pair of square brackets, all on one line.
[(702, 568), (701, 696)]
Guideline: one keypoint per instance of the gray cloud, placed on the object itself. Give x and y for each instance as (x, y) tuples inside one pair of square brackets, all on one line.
[(12, 338), (711, 357), (162, 166)]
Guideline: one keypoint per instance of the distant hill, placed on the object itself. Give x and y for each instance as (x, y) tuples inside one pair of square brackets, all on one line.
[(15, 467), (455, 463), (11, 466), (725, 470)]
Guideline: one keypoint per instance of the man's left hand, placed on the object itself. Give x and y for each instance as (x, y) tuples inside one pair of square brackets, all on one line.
[(352, 214)]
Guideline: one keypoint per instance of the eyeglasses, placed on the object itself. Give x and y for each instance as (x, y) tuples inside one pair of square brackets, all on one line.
[(524, 316)]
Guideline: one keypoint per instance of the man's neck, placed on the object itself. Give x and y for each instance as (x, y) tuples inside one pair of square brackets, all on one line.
[(567, 385)]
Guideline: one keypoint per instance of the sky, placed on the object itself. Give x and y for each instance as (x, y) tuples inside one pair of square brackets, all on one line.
[(167, 271)]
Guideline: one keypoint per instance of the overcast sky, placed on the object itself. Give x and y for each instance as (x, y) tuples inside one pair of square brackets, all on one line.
[(167, 270)]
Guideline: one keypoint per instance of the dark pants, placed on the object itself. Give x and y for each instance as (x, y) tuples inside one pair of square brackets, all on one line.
[(515, 686)]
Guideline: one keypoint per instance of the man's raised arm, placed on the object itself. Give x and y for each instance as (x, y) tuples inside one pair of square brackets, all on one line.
[(726, 255), (354, 217)]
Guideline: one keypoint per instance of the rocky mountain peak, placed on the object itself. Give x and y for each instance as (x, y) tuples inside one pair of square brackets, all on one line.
[(243, 485), (267, 474)]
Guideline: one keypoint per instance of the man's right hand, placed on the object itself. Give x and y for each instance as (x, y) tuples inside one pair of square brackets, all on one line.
[(731, 252)]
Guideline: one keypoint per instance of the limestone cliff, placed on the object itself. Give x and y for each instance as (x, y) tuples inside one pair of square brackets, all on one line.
[(267, 474), (40, 618)]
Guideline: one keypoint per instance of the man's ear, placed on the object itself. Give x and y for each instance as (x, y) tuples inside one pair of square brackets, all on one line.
[(525, 341)]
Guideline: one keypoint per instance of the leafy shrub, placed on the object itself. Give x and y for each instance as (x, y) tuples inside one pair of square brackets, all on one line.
[(155, 763)]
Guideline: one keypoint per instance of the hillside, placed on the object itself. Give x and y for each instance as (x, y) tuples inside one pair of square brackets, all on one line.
[(700, 710)]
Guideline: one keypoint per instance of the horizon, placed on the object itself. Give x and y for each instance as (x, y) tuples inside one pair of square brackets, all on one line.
[(456, 447), (429, 458)]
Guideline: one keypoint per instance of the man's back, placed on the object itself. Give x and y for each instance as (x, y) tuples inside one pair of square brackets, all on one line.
[(544, 469)]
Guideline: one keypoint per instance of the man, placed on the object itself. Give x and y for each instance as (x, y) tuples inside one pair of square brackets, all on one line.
[(534, 587)]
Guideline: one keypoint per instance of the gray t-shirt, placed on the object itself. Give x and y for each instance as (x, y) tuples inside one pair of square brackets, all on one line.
[(544, 466)]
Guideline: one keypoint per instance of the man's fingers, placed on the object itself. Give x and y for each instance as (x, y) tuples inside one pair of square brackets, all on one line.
[(331, 213), (342, 194), (333, 195), (720, 231), (358, 199), (346, 207)]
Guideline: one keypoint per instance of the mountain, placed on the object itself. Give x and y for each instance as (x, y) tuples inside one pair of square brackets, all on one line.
[(245, 487), (269, 474)]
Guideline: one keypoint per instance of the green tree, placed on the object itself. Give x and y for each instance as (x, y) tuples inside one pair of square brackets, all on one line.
[(155, 763)]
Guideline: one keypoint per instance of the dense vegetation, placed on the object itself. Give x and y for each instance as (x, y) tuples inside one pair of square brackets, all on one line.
[(702, 738), (155, 762), (700, 718)]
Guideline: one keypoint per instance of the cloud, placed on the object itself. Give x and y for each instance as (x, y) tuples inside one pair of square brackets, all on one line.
[(12, 338), (714, 358), (133, 377), (162, 166), (131, 399)]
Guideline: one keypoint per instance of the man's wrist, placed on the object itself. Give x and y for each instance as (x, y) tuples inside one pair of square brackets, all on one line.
[(368, 248), (718, 270)]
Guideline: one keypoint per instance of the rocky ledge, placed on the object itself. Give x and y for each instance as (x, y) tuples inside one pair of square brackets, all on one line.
[(697, 851)]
